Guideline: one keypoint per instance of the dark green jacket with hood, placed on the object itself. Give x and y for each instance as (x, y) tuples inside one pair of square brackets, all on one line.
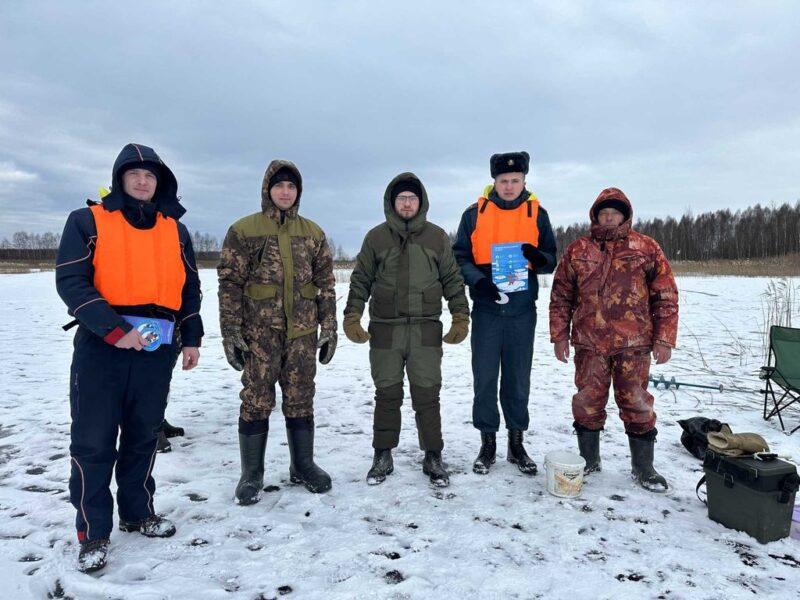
[(276, 269), (405, 267)]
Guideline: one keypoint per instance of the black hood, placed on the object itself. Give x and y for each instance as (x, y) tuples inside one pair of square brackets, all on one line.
[(166, 197)]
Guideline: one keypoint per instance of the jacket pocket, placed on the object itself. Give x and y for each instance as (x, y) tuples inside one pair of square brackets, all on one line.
[(431, 333), (432, 299), (305, 307), (383, 299), (380, 335), (260, 291), (309, 291), (585, 269), (630, 262)]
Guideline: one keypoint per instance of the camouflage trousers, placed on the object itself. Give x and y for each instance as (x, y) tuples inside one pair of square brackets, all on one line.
[(629, 372), (275, 359)]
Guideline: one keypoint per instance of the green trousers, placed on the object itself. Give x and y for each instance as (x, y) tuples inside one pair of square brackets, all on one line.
[(415, 350)]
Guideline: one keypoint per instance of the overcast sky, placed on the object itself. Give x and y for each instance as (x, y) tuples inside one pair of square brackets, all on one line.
[(683, 105)]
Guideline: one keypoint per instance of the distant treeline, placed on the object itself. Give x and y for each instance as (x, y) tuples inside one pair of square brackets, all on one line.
[(42, 246), (752, 233), (755, 232)]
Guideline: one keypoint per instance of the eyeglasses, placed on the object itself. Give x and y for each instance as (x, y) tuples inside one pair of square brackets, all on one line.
[(408, 198)]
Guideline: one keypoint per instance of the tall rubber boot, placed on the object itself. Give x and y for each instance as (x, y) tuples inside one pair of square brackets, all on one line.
[(642, 450), (589, 448), (517, 455), (487, 454), (252, 447), (251, 450), (300, 435)]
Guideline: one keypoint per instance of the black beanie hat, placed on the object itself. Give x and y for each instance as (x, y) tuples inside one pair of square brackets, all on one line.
[(283, 174), (509, 162), (612, 203), (147, 165), (407, 185)]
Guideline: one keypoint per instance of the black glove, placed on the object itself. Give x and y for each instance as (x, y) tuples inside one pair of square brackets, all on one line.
[(327, 345), (485, 288), (235, 347), (534, 256)]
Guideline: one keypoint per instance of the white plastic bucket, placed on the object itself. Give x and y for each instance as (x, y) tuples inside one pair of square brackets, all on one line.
[(564, 473)]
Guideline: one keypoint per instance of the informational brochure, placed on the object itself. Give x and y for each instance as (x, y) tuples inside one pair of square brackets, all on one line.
[(509, 267)]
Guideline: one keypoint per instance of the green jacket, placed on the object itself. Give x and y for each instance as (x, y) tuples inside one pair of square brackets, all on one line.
[(404, 268), (276, 270)]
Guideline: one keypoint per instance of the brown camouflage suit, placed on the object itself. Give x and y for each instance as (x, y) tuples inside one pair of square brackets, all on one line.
[(615, 287), (276, 283)]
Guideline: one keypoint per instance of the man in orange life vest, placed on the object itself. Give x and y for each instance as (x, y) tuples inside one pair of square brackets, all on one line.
[(503, 324), (126, 271)]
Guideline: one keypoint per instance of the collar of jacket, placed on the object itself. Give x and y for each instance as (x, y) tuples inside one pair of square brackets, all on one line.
[(141, 215), (491, 194), (603, 233)]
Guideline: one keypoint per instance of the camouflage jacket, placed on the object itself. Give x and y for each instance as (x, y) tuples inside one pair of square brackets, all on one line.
[(405, 267), (276, 270), (616, 288)]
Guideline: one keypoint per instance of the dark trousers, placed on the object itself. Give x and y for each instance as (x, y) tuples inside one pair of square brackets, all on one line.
[(502, 348), (114, 392)]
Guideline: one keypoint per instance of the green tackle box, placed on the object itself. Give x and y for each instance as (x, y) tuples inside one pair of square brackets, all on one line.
[(754, 496)]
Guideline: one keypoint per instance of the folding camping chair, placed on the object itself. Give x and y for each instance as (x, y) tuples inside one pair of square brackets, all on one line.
[(782, 375)]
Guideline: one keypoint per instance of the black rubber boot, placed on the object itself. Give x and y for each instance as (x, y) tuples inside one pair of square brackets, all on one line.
[(170, 430), (382, 465), (432, 467), (300, 434), (487, 454), (251, 450), (517, 455), (589, 448), (642, 450)]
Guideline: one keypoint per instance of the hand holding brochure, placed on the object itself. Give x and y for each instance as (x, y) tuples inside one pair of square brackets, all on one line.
[(509, 267)]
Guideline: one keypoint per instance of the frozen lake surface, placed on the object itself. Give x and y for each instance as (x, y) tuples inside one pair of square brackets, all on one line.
[(495, 536)]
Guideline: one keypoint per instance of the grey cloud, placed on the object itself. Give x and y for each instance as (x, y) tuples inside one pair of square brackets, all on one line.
[(687, 105)]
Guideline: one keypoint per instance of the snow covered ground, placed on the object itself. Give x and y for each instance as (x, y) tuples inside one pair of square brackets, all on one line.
[(495, 536)]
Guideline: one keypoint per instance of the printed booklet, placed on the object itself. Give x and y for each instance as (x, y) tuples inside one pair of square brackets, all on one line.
[(509, 267)]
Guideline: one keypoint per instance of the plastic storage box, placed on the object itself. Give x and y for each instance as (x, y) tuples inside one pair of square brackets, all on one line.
[(754, 496)]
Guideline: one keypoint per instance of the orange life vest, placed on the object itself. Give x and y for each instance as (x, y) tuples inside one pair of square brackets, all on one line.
[(498, 226), (134, 267)]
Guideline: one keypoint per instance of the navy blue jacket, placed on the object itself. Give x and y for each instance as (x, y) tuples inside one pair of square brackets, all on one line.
[(519, 302), (75, 259)]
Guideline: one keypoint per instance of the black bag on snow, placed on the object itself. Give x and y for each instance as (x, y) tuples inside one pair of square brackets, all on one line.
[(695, 434)]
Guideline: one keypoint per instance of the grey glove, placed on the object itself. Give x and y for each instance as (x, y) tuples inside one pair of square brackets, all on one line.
[(235, 347), (327, 345)]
